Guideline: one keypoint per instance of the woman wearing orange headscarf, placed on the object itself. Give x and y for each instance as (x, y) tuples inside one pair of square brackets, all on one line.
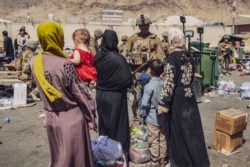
[(68, 103)]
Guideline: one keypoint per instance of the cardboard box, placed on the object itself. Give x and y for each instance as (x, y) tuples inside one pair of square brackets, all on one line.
[(231, 121), (227, 143), (20, 93)]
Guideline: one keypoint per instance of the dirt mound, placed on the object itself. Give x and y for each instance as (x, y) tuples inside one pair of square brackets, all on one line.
[(90, 10)]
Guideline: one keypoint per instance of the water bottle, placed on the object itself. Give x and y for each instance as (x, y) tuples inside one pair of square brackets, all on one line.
[(6, 120)]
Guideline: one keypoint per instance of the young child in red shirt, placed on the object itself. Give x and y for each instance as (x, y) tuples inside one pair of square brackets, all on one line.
[(83, 57)]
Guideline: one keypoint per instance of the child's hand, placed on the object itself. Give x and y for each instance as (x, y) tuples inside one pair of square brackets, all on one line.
[(92, 126), (70, 57), (162, 110), (138, 112)]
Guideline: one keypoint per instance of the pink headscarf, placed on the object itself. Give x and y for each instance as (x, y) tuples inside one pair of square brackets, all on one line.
[(176, 40)]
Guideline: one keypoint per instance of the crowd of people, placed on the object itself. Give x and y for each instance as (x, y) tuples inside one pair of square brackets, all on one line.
[(19, 53), (158, 73)]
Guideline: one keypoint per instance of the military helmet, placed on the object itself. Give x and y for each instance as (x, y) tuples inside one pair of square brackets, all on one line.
[(165, 34), (98, 33), (226, 37), (124, 37), (143, 19)]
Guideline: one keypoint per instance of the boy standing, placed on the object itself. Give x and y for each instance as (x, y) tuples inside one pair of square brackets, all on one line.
[(155, 123)]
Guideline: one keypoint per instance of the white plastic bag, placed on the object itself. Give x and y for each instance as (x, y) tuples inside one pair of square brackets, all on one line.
[(245, 86), (139, 155), (245, 95), (227, 86), (106, 149)]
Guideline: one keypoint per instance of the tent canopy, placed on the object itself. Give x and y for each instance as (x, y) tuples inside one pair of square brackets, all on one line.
[(5, 21), (175, 20), (239, 20)]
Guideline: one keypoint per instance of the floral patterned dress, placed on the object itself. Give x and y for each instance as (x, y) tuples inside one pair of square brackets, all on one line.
[(185, 136)]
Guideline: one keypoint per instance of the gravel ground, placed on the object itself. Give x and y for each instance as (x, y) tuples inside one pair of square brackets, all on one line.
[(24, 142)]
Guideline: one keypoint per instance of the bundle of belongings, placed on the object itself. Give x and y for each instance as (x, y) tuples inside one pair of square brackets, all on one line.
[(244, 90), (139, 147), (226, 87), (107, 152)]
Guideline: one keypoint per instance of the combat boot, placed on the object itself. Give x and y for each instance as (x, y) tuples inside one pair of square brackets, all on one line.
[(34, 97)]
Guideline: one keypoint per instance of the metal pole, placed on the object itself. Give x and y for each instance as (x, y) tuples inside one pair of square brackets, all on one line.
[(233, 15), (200, 51), (183, 20), (183, 27), (189, 46)]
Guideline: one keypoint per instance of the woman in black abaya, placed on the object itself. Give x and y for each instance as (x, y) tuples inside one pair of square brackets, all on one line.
[(114, 77), (185, 136)]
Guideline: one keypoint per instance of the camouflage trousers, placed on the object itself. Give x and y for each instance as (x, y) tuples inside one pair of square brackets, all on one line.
[(224, 61), (33, 90), (34, 94), (136, 93)]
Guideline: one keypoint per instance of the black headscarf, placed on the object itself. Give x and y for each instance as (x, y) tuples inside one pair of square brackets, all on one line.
[(113, 71)]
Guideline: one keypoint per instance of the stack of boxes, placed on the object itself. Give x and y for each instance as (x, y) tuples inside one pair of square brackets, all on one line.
[(229, 127)]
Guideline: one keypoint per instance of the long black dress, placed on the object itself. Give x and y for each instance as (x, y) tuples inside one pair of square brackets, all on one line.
[(185, 136), (113, 79)]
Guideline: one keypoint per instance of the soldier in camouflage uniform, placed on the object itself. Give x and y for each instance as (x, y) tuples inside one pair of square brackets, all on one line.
[(164, 44), (225, 54), (93, 44), (22, 65), (142, 47), (122, 47)]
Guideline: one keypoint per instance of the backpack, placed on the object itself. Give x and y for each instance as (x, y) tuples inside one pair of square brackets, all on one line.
[(22, 64)]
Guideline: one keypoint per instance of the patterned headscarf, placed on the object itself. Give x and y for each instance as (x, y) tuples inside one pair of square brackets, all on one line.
[(176, 40), (51, 37)]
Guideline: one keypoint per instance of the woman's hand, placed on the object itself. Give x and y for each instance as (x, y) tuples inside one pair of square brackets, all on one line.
[(44, 123), (92, 126), (162, 110), (163, 76)]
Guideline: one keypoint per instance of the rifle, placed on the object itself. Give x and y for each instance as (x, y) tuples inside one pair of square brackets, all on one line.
[(135, 71), (139, 68)]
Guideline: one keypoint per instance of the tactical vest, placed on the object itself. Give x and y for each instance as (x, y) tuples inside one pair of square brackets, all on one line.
[(142, 49)]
